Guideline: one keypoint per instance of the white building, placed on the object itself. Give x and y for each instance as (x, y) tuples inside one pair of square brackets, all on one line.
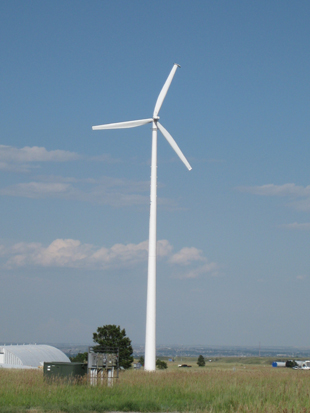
[(29, 356)]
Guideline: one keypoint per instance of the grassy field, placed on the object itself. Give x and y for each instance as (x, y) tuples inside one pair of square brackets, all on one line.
[(225, 385)]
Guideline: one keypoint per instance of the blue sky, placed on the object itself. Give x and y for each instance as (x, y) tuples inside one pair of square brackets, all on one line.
[(233, 233)]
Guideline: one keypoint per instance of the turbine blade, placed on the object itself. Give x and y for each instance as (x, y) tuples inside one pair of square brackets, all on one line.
[(123, 125), (164, 90), (174, 145)]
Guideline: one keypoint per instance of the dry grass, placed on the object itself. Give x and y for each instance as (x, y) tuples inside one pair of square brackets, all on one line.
[(219, 387)]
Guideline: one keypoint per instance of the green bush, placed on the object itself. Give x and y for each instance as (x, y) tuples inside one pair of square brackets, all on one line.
[(290, 363), (160, 364), (201, 361), (80, 357)]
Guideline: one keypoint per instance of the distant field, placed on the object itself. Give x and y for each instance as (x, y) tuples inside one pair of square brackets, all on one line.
[(217, 362), (224, 385)]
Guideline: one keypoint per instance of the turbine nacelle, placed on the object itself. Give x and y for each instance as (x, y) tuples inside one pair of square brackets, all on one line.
[(155, 118)]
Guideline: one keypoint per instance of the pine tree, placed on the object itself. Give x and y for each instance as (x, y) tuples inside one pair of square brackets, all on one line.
[(201, 361), (112, 336)]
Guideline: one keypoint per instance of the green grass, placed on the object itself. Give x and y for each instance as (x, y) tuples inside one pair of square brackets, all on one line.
[(219, 387)]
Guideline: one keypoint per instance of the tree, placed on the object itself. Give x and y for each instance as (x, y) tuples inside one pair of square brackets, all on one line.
[(160, 364), (141, 360), (291, 363), (201, 361), (112, 336), (80, 357)]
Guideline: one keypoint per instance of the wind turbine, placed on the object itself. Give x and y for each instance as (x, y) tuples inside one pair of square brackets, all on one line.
[(150, 335)]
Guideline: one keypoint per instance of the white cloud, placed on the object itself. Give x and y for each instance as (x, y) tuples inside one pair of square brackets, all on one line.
[(297, 226), (186, 255), (24, 159), (118, 195), (105, 158), (209, 268), (12, 158), (164, 248), (291, 190), (302, 204), (73, 254), (104, 191), (35, 154), (193, 257), (15, 167), (37, 189)]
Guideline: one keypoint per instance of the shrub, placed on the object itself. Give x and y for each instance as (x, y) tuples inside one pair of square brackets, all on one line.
[(201, 361), (160, 364)]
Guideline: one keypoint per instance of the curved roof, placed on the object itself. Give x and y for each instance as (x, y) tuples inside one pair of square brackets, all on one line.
[(31, 355)]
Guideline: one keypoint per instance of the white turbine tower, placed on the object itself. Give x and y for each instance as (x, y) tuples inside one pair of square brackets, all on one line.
[(150, 335)]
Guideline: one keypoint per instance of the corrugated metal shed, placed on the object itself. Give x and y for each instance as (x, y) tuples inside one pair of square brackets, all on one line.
[(30, 355)]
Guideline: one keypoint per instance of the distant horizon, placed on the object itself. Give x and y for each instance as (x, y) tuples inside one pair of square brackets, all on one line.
[(135, 345)]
